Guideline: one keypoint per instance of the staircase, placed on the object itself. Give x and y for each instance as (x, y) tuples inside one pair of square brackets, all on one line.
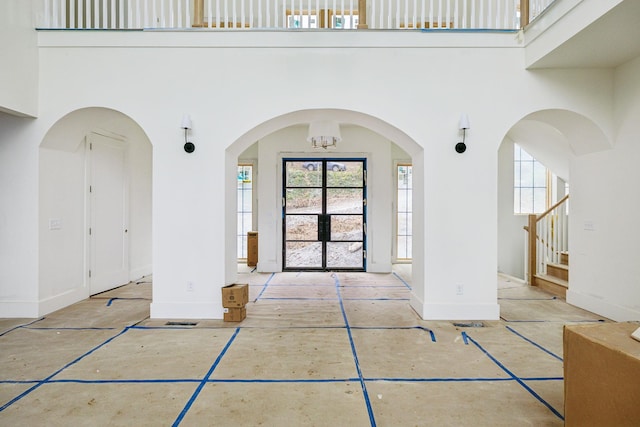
[(556, 281), (547, 249)]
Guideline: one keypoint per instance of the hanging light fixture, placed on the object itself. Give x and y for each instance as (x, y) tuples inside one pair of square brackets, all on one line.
[(324, 134)]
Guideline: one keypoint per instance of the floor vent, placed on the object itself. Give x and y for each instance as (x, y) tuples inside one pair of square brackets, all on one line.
[(469, 325), (181, 323)]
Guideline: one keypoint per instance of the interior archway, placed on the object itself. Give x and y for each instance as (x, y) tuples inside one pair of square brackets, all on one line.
[(66, 194), (270, 150)]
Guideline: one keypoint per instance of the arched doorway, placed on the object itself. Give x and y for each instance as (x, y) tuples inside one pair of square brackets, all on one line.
[(284, 138), (95, 205)]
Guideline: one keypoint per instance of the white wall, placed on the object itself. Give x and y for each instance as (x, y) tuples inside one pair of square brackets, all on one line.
[(411, 87), (18, 45), (18, 217), (604, 227)]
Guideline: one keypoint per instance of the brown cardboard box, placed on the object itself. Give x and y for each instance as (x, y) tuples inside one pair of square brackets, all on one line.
[(601, 375), (235, 296), (252, 248), (235, 314)]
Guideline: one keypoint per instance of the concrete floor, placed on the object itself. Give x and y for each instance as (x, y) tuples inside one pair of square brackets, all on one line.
[(317, 349)]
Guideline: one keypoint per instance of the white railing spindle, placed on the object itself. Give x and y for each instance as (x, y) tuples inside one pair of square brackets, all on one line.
[(240, 14)]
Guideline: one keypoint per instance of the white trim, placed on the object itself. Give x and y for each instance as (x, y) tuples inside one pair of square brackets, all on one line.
[(19, 309), (601, 307), (138, 273), (461, 312), (186, 310)]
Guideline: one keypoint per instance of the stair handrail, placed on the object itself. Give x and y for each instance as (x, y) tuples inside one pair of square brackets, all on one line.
[(538, 245)]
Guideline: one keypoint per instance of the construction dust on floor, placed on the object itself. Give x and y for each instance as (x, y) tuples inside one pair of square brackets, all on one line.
[(316, 349)]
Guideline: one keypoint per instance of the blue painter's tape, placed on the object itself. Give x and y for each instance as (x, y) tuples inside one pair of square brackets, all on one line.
[(534, 343), (465, 338), (402, 280), (115, 298), (21, 326), (69, 329), (265, 286), (76, 360), (439, 380), (518, 380), (270, 381), (206, 378), (363, 385)]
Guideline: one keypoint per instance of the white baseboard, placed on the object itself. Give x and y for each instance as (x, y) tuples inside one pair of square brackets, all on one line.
[(186, 310), (72, 296), (602, 307), (461, 312), (139, 272), (19, 309), (34, 309)]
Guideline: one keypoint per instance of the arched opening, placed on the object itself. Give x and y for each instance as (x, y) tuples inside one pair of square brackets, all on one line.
[(536, 157), (380, 145), (94, 206)]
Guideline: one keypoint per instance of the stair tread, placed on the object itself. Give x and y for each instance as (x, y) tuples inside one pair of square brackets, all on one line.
[(553, 279), (560, 266)]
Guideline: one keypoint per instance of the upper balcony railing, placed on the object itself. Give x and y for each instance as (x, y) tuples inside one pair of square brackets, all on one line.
[(289, 14)]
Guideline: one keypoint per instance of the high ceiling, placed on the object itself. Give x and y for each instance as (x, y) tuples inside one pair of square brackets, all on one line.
[(609, 41)]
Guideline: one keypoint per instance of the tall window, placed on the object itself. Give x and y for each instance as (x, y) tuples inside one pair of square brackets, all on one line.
[(530, 193), (245, 207), (404, 211)]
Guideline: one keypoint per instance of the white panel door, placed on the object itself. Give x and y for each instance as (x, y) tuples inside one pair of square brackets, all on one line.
[(108, 233)]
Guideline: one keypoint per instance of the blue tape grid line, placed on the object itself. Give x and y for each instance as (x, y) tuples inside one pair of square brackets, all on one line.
[(206, 378), (534, 343), (73, 362), (402, 280), (512, 375), (265, 286), (331, 299), (21, 326), (372, 419)]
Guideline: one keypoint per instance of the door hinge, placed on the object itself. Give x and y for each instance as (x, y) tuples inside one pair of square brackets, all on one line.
[(284, 202), (89, 231), (365, 178), (89, 273), (364, 254), (364, 202), (91, 146), (90, 189)]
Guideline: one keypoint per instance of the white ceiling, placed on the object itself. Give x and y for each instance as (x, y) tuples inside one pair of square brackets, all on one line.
[(610, 41)]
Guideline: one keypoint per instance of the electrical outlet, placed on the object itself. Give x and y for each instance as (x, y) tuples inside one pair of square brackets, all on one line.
[(190, 287), (459, 289)]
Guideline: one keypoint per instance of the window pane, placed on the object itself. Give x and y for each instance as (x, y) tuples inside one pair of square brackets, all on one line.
[(344, 200), (526, 174), (344, 174), (303, 174), (303, 200), (403, 211), (526, 200), (540, 200), (539, 175), (301, 227)]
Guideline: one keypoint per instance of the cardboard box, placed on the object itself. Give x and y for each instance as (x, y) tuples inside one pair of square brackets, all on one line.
[(235, 296), (601, 375), (252, 248), (235, 314)]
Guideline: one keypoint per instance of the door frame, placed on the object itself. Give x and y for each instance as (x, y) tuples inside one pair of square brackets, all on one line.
[(294, 158)]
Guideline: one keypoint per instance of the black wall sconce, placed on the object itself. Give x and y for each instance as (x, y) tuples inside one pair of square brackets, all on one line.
[(463, 125), (189, 147)]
